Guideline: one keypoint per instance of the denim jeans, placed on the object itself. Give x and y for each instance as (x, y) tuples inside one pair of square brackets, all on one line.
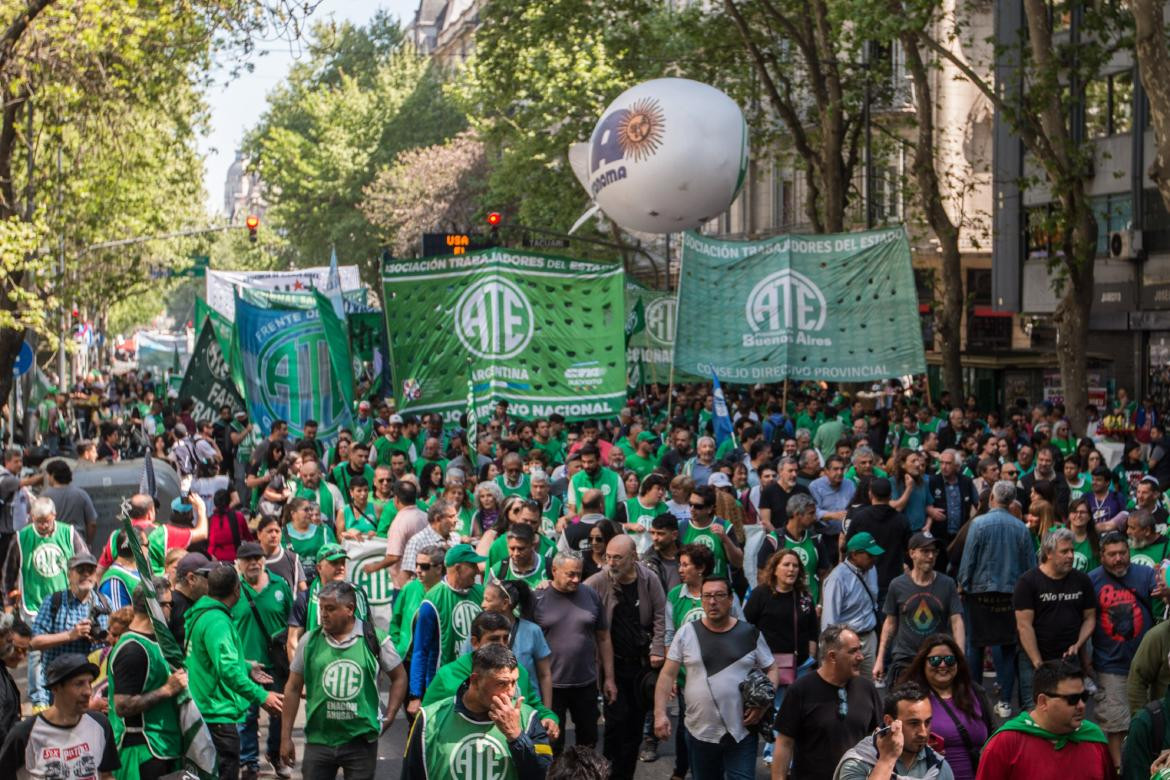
[(38, 694), (727, 760), (1024, 673), (250, 738), (1003, 658)]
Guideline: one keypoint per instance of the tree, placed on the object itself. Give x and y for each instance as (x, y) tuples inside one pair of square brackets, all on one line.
[(1041, 102), (362, 97), (1152, 47), (431, 188)]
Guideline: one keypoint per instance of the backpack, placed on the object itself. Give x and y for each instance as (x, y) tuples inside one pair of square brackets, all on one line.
[(1158, 717), (8, 503), (185, 459)]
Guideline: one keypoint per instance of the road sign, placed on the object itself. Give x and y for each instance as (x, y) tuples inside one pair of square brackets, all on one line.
[(24, 360)]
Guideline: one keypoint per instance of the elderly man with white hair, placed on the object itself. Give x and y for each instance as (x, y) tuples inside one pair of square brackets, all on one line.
[(699, 467), (38, 566), (997, 552)]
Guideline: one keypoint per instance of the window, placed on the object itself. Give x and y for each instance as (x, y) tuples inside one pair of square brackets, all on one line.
[(1114, 212), (1109, 105), (782, 214), (1043, 232)]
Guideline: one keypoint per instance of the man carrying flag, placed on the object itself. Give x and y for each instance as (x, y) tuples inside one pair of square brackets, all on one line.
[(143, 692)]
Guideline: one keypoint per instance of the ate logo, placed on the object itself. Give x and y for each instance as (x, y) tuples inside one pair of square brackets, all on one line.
[(461, 618), (479, 757), (705, 540), (296, 380), (494, 319), (341, 680), (660, 320), (786, 300), (48, 560)]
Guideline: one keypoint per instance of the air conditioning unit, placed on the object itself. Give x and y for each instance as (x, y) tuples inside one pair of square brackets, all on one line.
[(1125, 244)]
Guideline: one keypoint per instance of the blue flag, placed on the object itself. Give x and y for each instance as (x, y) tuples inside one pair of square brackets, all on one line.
[(722, 419)]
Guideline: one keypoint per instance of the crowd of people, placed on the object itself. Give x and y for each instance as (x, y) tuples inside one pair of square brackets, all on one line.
[(848, 586)]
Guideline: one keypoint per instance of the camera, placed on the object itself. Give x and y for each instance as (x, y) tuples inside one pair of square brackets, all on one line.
[(98, 608)]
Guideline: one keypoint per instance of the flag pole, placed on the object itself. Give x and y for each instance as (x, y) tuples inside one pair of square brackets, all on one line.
[(674, 347), (784, 403)]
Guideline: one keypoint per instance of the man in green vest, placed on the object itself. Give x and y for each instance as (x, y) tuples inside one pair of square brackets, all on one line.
[(325, 496), (522, 562), (143, 690), (444, 619), (341, 661), (512, 480), (363, 424), (332, 560), (223, 684), (595, 476), (36, 564), (428, 565), (489, 628), (394, 441), (482, 731), (261, 617), (710, 531), (544, 545)]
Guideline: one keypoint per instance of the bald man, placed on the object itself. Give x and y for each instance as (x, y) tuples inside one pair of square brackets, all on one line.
[(630, 591)]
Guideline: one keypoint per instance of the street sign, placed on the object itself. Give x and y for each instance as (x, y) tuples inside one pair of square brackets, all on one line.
[(24, 360), (436, 244), (544, 242)]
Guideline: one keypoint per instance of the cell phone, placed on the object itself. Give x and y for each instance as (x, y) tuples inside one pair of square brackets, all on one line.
[(883, 731)]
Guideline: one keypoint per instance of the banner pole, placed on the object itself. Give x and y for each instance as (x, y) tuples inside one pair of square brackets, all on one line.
[(784, 403)]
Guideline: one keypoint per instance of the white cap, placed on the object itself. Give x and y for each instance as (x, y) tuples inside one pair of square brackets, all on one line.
[(719, 480), (396, 419)]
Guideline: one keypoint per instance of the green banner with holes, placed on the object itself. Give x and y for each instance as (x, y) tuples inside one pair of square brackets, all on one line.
[(544, 333), (827, 307), (653, 343)]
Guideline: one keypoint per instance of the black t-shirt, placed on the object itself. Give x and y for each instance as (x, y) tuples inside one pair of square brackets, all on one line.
[(630, 640), (771, 612), (775, 499), (891, 530), (810, 715), (129, 676), (177, 622), (1059, 607)]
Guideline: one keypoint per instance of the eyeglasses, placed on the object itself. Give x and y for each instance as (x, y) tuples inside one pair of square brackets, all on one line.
[(941, 660), (1071, 699), (842, 703), (714, 596), (422, 566)]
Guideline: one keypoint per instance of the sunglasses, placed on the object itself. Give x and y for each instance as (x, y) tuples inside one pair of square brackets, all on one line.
[(1072, 699), (842, 703), (423, 566), (941, 660), (597, 539), (698, 506)]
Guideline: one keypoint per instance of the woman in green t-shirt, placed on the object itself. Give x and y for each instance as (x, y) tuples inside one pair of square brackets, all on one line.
[(304, 536), (1080, 522)]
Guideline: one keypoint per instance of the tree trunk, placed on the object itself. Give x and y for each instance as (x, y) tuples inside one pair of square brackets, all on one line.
[(949, 316), (1072, 312), (1153, 56)]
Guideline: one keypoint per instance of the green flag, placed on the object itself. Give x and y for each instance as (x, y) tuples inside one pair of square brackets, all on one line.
[(542, 332), (635, 320), (823, 307), (283, 299), (337, 337), (221, 324), (208, 380), (653, 344), (637, 378)]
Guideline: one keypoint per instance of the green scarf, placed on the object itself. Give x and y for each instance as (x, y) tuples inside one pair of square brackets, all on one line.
[(1087, 732)]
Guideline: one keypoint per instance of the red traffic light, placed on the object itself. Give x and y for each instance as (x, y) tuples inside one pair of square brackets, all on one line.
[(494, 219), (252, 222)]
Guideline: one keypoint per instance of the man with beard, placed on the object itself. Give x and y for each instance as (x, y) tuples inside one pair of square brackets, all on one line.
[(595, 476)]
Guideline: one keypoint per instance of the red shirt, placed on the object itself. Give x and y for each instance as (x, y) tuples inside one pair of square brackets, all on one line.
[(1013, 755)]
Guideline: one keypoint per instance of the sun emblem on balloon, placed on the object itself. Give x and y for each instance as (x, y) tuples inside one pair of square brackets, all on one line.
[(640, 130)]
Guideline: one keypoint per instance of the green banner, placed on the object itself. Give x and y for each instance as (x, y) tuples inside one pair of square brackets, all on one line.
[(331, 311), (221, 324), (544, 333), (826, 307), (281, 299), (288, 372), (652, 343), (371, 353), (208, 380)]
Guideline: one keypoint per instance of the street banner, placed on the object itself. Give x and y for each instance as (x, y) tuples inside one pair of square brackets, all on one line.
[(652, 343), (221, 324), (156, 351), (378, 587), (544, 333), (825, 307), (287, 373), (208, 380), (222, 285), (355, 300)]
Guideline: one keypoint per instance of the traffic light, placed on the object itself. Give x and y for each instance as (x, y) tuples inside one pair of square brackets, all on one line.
[(253, 222), (494, 219)]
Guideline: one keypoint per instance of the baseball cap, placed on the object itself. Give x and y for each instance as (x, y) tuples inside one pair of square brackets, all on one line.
[(922, 539), (719, 480), (332, 552), (395, 419), (181, 429), (66, 667), (194, 563), (250, 550), (179, 505), (864, 542), (646, 436), (462, 553), (82, 558)]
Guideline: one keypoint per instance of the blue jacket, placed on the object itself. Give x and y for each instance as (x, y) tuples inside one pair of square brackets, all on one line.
[(997, 553)]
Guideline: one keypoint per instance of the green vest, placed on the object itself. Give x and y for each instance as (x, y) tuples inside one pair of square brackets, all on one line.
[(386, 448), (43, 563), (505, 571), (341, 692), (363, 430), (365, 520), (341, 477), (160, 723), (684, 608), (709, 539), (311, 606), (607, 481), (522, 490), (553, 449), (457, 748), (806, 548), (550, 515), (323, 497), (546, 548), (455, 612), (402, 618), (639, 514), (129, 577)]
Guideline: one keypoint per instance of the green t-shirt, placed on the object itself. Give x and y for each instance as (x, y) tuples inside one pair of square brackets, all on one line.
[(306, 545), (1084, 556), (554, 449), (607, 481), (549, 516), (341, 476), (385, 449), (639, 514), (851, 474), (402, 618), (641, 466), (364, 520), (273, 604)]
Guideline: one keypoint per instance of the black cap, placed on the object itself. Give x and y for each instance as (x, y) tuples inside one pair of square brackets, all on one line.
[(250, 550), (194, 563), (66, 667), (82, 558), (920, 540)]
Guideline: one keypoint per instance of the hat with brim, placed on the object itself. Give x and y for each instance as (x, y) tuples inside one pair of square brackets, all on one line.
[(922, 540), (332, 552), (82, 558), (250, 550), (462, 553), (66, 667), (864, 542)]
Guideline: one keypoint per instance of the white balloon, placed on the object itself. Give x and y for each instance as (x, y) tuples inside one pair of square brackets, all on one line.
[(667, 155)]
